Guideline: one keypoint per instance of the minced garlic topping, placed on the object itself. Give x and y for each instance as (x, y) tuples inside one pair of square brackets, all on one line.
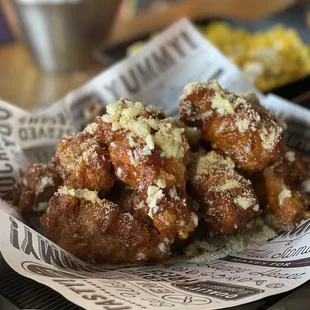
[(213, 164), (79, 193), (154, 195), (211, 161), (243, 112), (290, 156), (91, 128), (153, 131), (47, 181), (221, 105), (285, 193)]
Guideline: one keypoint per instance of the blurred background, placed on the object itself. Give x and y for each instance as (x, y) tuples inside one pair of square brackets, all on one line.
[(49, 47)]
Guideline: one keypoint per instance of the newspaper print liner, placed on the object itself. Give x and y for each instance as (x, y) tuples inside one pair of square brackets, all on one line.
[(156, 76)]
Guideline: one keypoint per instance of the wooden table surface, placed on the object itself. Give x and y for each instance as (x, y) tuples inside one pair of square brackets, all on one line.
[(24, 85)]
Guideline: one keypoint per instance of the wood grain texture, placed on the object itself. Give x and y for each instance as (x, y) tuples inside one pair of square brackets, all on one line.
[(22, 84)]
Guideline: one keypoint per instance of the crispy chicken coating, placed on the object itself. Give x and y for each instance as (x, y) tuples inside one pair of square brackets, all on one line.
[(97, 231), (236, 127), (227, 202), (276, 188), (149, 153), (38, 185), (130, 200), (83, 163)]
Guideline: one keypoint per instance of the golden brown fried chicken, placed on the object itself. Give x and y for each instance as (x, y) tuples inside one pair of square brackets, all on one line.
[(227, 202), (240, 129), (97, 231), (36, 188), (149, 153), (83, 163), (276, 188), (129, 200)]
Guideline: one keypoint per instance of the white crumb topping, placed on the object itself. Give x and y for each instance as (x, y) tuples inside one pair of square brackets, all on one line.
[(150, 142), (154, 196), (244, 202), (227, 186), (41, 206), (219, 101), (162, 247), (195, 219), (140, 205), (141, 256), (25, 182), (161, 183), (196, 86), (242, 124), (153, 131), (222, 105), (146, 151), (305, 186), (256, 208), (202, 251), (173, 193), (85, 194), (269, 137), (290, 156), (133, 158), (130, 217), (91, 128), (212, 160), (119, 172), (285, 193), (47, 181)]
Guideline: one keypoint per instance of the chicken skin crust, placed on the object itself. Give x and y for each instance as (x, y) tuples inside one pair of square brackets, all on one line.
[(96, 231), (149, 153), (83, 163), (38, 185), (227, 202), (276, 188), (235, 126)]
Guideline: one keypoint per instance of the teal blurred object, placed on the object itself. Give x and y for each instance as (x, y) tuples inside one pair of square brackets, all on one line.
[(5, 33)]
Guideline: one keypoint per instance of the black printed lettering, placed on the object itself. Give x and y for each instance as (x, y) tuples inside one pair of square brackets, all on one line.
[(3, 155), (81, 291), (146, 71), (176, 46), (14, 233), (4, 114), (5, 130), (112, 88), (131, 82), (93, 297), (188, 39), (8, 169), (27, 244), (163, 59)]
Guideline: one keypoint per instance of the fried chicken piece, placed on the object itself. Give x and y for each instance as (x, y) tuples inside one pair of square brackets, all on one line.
[(38, 185), (97, 231), (129, 200), (276, 188), (227, 202), (84, 163), (240, 129), (149, 153)]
